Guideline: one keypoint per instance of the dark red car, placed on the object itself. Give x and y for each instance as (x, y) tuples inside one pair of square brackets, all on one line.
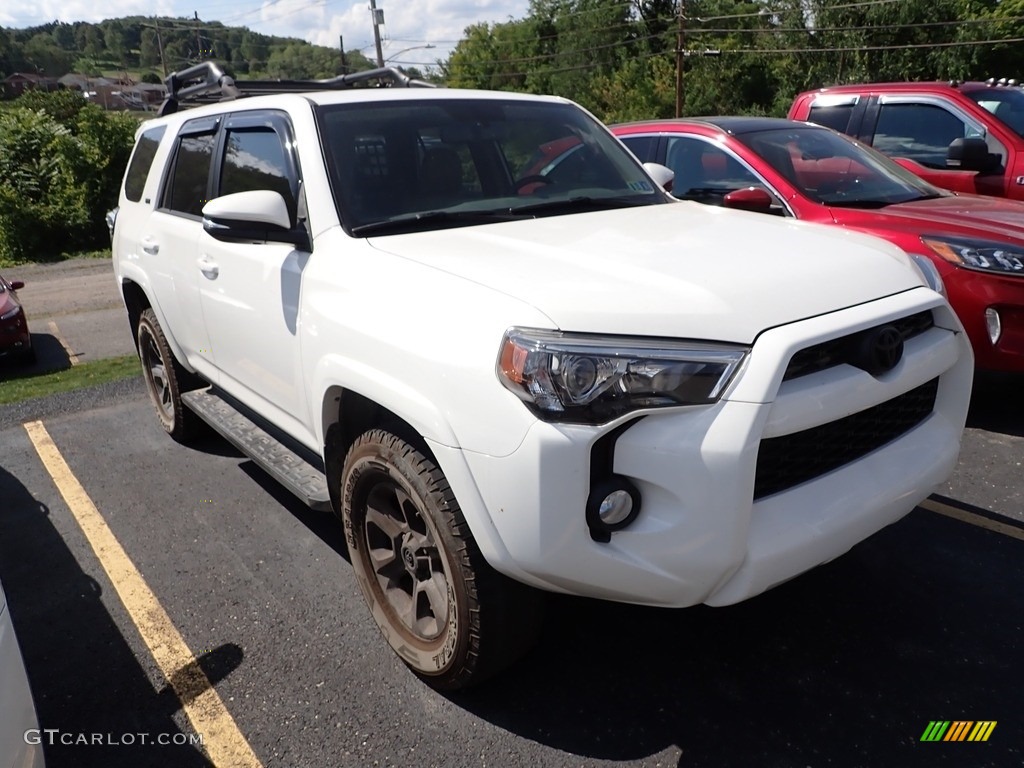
[(786, 168), (15, 340)]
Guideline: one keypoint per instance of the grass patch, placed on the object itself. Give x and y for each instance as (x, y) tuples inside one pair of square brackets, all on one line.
[(78, 376), (53, 258)]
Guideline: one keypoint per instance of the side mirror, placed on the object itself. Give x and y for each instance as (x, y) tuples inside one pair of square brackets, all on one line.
[(662, 176), (17, 285), (969, 154), (259, 215), (751, 199)]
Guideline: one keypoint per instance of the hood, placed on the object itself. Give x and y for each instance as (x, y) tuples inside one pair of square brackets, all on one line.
[(987, 218), (680, 270)]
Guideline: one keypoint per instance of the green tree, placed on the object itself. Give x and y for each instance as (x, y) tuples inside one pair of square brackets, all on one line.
[(61, 163), (43, 200), (46, 56)]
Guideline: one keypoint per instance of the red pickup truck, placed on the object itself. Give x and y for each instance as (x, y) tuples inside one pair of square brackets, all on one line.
[(963, 136)]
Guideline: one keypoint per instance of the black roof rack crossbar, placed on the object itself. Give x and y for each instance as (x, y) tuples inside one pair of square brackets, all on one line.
[(206, 82)]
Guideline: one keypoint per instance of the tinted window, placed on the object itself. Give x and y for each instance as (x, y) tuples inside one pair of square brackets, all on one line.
[(920, 132), (255, 159), (474, 161), (186, 191), (704, 172), (142, 160), (641, 146), (836, 117), (1005, 103), (834, 170)]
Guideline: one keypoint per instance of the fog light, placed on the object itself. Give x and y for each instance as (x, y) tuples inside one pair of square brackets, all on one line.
[(993, 324), (614, 503), (615, 508)]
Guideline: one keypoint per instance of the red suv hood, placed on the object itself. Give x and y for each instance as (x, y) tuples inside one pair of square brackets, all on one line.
[(989, 218)]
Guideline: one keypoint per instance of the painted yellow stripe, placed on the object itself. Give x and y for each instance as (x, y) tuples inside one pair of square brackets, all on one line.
[(969, 517), (224, 743), (72, 355)]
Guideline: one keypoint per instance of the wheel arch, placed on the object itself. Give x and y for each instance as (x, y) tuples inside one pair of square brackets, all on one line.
[(136, 302), (137, 299), (346, 414)]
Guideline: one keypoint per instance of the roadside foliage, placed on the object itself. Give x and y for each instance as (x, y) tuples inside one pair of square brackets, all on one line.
[(61, 161)]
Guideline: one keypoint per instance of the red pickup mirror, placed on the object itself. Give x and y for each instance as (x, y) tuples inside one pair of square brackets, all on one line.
[(17, 285), (751, 199)]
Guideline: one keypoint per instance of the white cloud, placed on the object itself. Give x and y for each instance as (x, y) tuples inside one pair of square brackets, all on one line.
[(408, 24), (17, 14)]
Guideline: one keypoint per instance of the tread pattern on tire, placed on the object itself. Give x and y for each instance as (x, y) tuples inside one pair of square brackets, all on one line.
[(185, 425), (503, 617)]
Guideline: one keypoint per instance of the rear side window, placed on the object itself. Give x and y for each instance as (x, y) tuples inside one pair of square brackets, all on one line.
[(186, 190), (837, 116), (142, 160)]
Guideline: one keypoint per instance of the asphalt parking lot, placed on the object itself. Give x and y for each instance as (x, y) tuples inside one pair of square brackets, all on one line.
[(844, 666)]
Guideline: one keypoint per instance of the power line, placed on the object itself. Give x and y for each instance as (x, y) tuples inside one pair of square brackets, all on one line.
[(766, 12), (866, 28)]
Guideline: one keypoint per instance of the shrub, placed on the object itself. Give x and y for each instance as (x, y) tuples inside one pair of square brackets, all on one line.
[(61, 162)]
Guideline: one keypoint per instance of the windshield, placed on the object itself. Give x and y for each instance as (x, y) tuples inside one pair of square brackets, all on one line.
[(834, 170), (399, 166), (1007, 104)]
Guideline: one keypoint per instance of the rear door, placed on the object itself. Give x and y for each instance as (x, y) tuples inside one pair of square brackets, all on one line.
[(169, 242)]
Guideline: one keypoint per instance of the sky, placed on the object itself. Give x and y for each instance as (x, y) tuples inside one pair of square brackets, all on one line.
[(407, 24)]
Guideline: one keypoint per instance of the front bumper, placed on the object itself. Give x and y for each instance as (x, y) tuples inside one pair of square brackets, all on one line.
[(971, 293), (701, 535)]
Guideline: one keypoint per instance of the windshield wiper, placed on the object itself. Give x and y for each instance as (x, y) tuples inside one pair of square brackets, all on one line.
[(876, 204), (579, 204), (867, 204), (428, 219)]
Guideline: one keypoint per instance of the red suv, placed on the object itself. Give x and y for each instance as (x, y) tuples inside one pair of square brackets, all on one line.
[(785, 168), (967, 137)]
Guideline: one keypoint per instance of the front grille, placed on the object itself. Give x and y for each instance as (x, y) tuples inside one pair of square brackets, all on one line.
[(842, 350), (783, 462)]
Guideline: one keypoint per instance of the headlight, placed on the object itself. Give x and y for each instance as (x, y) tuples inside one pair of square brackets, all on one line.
[(594, 379), (929, 272), (979, 254), (10, 313)]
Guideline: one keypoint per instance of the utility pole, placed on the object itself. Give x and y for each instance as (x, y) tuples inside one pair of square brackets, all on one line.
[(378, 19), (199, 42), (159, 43), (341, 47), (680, 36)]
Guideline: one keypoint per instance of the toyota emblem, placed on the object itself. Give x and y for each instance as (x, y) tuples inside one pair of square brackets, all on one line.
[(880, 350)]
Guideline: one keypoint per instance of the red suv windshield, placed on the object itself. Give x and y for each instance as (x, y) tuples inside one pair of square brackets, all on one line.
[(830, 169)]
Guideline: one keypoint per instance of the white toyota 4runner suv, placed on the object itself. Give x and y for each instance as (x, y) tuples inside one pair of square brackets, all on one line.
[(474, 326)]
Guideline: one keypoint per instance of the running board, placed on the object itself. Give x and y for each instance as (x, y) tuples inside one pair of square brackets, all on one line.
[(270, 454)]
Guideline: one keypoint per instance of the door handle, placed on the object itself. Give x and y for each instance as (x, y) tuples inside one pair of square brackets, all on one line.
[(208, 267), (150, 246)]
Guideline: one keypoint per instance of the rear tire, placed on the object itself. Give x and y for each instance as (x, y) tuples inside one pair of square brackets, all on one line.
[(165, 380), (452, 619)]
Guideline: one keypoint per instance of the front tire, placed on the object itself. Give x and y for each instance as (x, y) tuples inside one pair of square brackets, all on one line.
[(450, 617), (164, 380)]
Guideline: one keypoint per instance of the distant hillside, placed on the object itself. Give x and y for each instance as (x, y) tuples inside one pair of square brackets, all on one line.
[(146, 47)]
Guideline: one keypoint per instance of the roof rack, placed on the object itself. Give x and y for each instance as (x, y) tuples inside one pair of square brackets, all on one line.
[(207, 83)]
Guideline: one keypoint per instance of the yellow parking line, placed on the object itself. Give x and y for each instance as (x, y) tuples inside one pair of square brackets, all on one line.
[(224, 743), (933, 505), (72, 356)]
